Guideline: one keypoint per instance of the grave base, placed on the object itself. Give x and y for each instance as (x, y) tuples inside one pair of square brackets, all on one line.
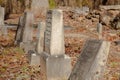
[(34, 59), (26, 46), (55, 67)]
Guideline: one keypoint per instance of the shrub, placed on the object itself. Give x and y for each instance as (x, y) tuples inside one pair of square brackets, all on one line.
[(52, 4)]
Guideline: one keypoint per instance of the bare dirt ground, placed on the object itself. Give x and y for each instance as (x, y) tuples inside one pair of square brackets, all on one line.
[(14, 64)]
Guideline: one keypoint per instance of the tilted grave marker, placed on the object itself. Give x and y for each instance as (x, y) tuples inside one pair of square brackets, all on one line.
[(91, 63), (28, 27), (24, 35), (19, 32), (40, 35), (55, 65)]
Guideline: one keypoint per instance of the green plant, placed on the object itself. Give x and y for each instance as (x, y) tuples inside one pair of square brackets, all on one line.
[(52, 4)]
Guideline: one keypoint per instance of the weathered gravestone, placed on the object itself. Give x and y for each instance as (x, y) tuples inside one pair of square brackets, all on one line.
[(55, 65), (2, 27), (39, 7), (24, 36), (40, 35), (92, 61), (33, 56), (99, 30), (28, 27), (110, 7), (2, 13), (19, 32)]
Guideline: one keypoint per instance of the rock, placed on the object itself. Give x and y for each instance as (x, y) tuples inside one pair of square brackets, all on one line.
[(105, 19), (116, 22), (110, 7), (117, 42)]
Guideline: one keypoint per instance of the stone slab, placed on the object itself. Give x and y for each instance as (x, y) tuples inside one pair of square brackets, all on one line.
[(26, 46), (91, 63), (54, 33), (19, 32), (110, 7), (2, 14), (28, 27), (55, 67), (33, 57), (40, 35)]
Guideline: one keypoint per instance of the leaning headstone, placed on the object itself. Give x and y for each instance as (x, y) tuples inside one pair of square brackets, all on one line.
[(99, 30), (39, 7), (24, 36), (40, 39), (28, 27), (19, 32), (55, 64), (92, 61)]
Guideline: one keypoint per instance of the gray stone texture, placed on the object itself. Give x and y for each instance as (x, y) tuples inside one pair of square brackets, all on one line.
[(19, 32), (99, 30), (54, 33), (2, 14), (33, 57), (55, 67), (28, 27), (26, 46), (40, 39), (91, 63), (110, 7)]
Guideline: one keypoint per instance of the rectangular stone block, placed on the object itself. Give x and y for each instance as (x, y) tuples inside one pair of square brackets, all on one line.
[(110, 7), (54, 33), (40, 40), (19, 32), (27, 46), (34, 58), (2, 14), (55, 67), (92, 61), (28, 27)]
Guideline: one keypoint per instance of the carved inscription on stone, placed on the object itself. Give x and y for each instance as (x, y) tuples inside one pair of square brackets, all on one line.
[(48, 31)]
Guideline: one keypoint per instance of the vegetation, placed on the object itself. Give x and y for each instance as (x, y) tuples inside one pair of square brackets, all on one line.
[(52, 4)]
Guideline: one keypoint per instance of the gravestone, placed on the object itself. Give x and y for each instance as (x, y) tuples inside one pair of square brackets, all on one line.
[(24, 35), (99, 30), (39, 7), (28, 27), (19, 32), (40, 35), (2, 27), (2, 14), (91, 63), (109, 7), (54, 44), (55, 65)]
